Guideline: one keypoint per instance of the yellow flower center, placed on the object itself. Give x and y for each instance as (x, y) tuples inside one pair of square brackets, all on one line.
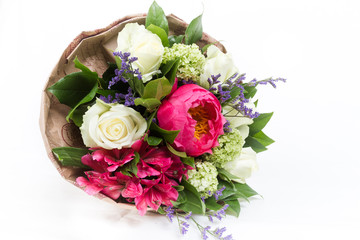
[(201, 116)]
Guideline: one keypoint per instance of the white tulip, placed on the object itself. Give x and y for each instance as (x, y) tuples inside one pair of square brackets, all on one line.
[(216, 63), (144, 45), (111, 126), (244, 166)]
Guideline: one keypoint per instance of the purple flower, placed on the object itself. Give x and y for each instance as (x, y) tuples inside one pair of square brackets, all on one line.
[(170, 213), (184, 227), (203, 233), (187, 217), (125, 72), (270, 81), (228, 237), (219, 231), (227, 127), (218, 193)]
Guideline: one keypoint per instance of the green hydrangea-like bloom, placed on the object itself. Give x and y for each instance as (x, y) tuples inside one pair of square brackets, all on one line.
[(192, 61), (230, 146), (204, 178)]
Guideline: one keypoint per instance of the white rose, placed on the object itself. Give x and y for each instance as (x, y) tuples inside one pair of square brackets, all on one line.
[(216, 63), (144, 45), (237, 120), (111, 126), (243, 166)]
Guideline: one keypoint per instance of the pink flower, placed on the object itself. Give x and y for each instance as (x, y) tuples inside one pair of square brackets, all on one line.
[(154, 195), (158, 171), (196, 112)]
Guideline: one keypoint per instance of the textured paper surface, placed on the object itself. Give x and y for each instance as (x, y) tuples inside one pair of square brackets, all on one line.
[(94, 49)]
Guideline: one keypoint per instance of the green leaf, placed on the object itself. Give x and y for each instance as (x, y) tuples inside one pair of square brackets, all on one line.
[(169, 136), (76, 88), (193, 32), (193, 201), (234, 207), (157, 17), (138, 85), (259, 123), (177, 153), (160, 32), (149, 120), (171, 75), (153, 141), (179, 188), (188, 161), (212, 204), (72, 88), (157, 88), (249, 92), (234, 92), (106, 92), (90, 96), (166, 67), (78, 114), (131, 167), (69, 156), (256, 102), (254, 144), (83, 68), (118, 62), (228, 191), (263, 138), (182, 198), (161, 211), (225, 175), (245, 189), (149, 103), (175, 39)]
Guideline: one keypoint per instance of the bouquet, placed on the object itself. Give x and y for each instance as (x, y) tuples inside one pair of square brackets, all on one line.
[(159, 118)]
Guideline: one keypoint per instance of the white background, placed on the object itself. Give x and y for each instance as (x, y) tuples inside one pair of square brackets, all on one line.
[(309, 178)]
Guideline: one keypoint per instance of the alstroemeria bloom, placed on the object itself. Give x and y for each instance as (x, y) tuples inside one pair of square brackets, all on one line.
[(196, 112)]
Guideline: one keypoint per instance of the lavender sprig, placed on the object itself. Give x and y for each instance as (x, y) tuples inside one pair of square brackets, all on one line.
[(126, 72), (120, 97), (270, 81), (170, 213)]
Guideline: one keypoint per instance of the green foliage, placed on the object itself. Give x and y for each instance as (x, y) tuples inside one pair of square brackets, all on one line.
[(69, 156), (76, 88), (79, 112), (193, 32), (175, 39), (260, 122), (257, 139), (169, 69), (225, 175), (161, 33), (212, 204), (175, 152), (157, 88), (130, 168), (169, 136), (188, 161), (234, 207), (153, 141), (149, 103), (157, 17), (249, 92), (189, 199)]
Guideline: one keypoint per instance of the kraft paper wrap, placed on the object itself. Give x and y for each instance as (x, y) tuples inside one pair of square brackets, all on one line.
[(94, 49)]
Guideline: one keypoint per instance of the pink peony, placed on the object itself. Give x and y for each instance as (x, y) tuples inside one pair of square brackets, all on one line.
[(196, 112)]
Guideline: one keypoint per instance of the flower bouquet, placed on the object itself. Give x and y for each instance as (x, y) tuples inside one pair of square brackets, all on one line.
[(151, 113)]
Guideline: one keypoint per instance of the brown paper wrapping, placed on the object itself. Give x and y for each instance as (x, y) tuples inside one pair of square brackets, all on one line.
[(94, 49)]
